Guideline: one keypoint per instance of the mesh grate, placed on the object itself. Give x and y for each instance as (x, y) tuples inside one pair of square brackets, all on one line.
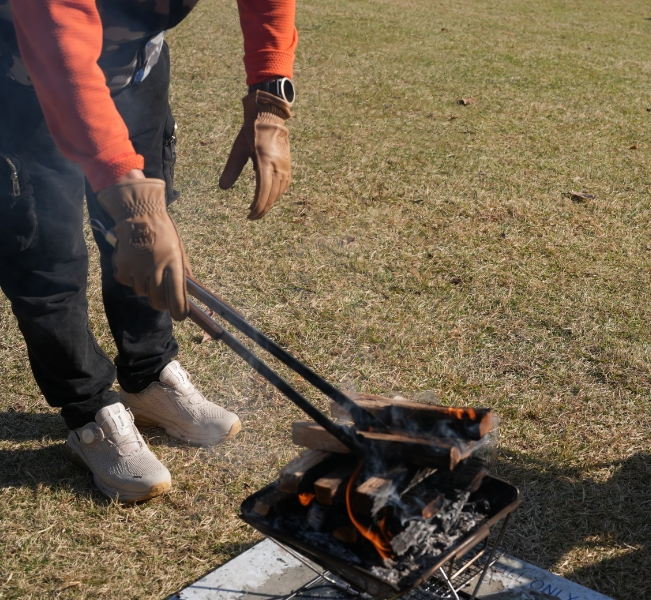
[(436, 588)]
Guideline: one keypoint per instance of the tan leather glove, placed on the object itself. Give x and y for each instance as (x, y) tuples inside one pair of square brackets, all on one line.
[(149, 255), (265, 139)]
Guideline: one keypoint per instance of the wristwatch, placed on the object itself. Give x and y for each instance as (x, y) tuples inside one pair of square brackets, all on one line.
[(283, 87)]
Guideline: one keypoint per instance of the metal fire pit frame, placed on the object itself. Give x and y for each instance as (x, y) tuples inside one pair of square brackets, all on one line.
[(504, 498)]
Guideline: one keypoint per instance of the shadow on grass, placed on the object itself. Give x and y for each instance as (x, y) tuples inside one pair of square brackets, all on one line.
[(22, 426), (563, 508), (45, 466)]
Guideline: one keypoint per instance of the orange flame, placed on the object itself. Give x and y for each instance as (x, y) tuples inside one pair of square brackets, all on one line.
[(462, 413), (305, 498), (380, 544), (382, 526)]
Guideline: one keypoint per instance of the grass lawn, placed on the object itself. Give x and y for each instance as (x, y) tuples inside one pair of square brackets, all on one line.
[(423, 247)]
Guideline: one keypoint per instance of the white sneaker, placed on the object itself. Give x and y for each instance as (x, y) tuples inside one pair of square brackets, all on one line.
[(175, 404), (113, 450)]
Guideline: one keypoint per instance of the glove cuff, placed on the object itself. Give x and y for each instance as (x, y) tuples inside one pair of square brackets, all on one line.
[(133, 198), (259, 102)]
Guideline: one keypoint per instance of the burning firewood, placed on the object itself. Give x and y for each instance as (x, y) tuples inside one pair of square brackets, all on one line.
[(441, 452), (299, 474), (330, 489), (397, 521), (375, 492), (432, 507), (414, 519), (372, 493), (408, 494), (419, 419)]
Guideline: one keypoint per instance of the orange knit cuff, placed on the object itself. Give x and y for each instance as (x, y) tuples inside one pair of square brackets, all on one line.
[(101, 174), (268, 63)]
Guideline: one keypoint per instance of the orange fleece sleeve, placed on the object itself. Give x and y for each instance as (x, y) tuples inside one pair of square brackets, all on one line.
[(269, 38), (60, 42)]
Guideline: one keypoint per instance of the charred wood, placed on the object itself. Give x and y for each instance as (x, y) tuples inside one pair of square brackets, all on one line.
[(299, 474), (422, 419), (347, 534), (467, 476), (445, 453), (316, 516), (265, 504), (432, 507)]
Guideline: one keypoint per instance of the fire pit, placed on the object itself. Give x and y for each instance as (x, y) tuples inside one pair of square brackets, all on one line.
[(387, 522), (358, 566)]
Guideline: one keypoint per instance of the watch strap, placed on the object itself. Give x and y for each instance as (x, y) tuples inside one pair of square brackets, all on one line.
[(282, 87)]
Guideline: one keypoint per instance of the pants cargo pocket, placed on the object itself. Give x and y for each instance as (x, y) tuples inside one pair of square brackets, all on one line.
[(18, 223), (169, 157)]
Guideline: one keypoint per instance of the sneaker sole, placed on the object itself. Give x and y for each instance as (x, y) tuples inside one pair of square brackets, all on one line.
[(76, 458), (172, 429)]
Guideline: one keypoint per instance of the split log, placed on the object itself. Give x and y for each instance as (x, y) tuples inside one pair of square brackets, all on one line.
[(265, 504), (417, 418), (310, 435), (371, 495), (374, 493), (331, 489), (299, 474), (445, 453)]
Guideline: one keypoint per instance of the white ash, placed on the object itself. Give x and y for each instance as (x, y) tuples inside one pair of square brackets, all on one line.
[(418, 546)]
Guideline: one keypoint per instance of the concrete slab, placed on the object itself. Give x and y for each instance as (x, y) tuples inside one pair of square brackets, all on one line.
[(267, 571), (513, 579), (264, 571)]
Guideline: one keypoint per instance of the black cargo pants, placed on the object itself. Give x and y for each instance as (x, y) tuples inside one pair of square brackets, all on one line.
[(46, 283)]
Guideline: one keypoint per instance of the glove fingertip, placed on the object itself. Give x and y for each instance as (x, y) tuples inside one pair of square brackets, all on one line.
[(225, 182), (256, 210), (176, 295)]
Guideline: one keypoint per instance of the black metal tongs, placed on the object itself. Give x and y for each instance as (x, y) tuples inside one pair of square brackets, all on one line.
[(362, 418)]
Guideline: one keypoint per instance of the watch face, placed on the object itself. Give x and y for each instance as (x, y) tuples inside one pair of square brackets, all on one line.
[(287, 89)]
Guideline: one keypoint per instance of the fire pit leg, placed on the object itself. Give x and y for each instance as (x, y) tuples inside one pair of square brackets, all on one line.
[(490, 556)]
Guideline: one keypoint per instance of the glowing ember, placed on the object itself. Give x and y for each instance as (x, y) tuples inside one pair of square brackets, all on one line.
[(380, 544), (305, 498)]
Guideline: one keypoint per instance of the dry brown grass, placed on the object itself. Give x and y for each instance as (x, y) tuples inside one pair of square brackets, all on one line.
[(423, 245)]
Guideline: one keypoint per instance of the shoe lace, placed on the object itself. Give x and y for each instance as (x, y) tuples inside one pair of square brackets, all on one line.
[(127, 439)]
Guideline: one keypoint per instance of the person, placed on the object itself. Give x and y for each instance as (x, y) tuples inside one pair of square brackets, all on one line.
[(84, 112)]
